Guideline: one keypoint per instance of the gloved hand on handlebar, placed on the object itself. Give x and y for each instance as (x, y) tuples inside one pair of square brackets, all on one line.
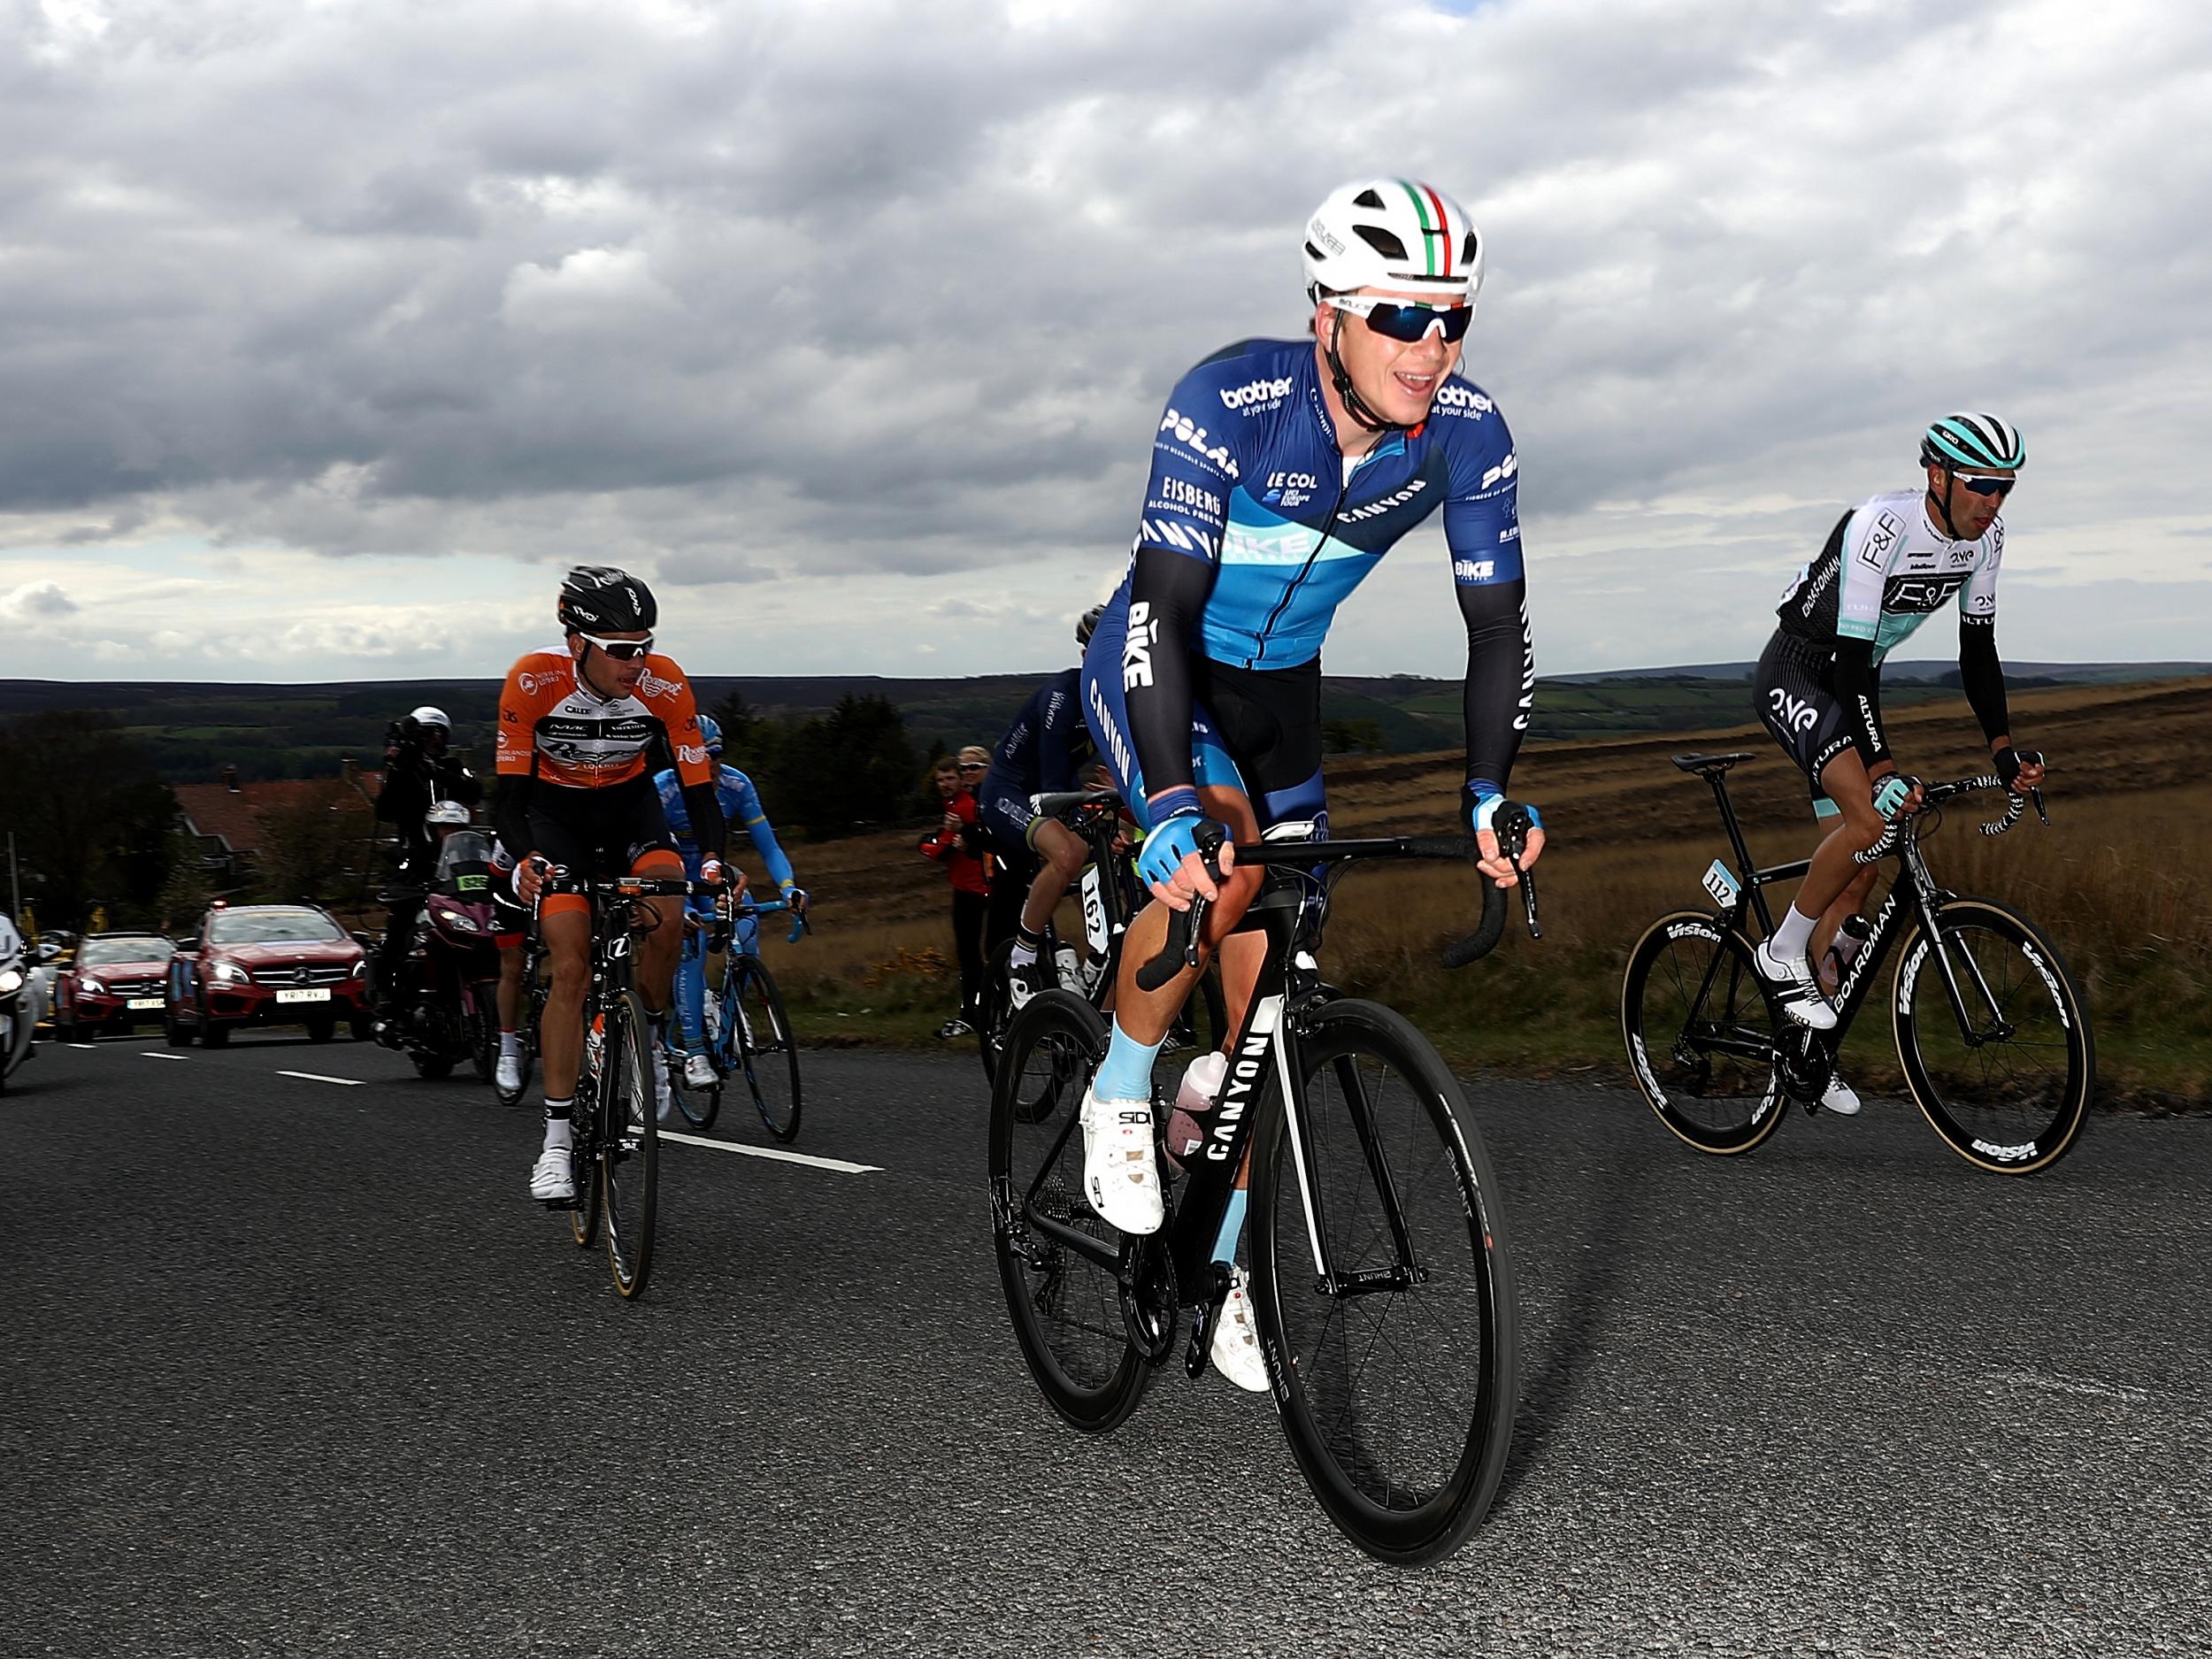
[(1171, 849), (1894, 792), (795, 896), (1485, 805), (2021, 769)]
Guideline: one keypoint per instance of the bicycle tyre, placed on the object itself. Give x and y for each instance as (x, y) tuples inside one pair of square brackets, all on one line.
[(2018, 1123), (767, 1053), (699, 1106), (1722, 1101), (629, 1143), (995, 1011), (1397, 1503), (484, 1029), (1065, 1307)]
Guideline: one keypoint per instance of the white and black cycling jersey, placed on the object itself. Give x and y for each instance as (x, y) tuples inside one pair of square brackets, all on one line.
[(1885, 570)]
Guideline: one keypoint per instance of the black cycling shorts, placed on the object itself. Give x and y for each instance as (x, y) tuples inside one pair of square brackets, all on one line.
[(1796, 695), (598, 833)]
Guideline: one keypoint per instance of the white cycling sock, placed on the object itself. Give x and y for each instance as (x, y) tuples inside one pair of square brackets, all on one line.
[(558, 1133), (1792, 935), (1022, 954), (510, 1045)]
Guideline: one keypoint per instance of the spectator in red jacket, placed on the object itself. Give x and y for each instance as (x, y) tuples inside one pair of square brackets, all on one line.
[(957, 844)]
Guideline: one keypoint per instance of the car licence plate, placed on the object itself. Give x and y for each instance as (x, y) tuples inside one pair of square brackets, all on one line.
[(314, 994), (139, 1004)]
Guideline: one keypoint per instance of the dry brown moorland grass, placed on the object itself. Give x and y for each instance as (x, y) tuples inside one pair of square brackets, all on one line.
[(2122, 880)]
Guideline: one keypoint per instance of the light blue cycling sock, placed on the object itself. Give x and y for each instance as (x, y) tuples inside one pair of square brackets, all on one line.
[(1125, 1073), (1232, 1229), (691, 996)]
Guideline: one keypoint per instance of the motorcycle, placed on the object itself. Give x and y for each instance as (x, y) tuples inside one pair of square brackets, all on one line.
[(22, 996), (449, 1001)]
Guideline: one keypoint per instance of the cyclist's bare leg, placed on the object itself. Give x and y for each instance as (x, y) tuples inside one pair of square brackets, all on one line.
[(509, 993), (661, 944), (1061, 852), (567, 934), (1833, 869), (1146, 1015), (1843, 909)]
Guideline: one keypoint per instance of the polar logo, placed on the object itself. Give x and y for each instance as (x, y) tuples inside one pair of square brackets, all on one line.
[(1190, 432), (1794, 713), (1256, 392), (1457, 395), (1474, 570), (1504, 469), (1136, 650)]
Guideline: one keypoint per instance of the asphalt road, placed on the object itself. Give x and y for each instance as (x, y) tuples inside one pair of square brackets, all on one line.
[(293, 1367)]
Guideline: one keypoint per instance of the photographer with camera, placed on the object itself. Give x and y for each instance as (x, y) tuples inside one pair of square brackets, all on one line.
[(418, 771)]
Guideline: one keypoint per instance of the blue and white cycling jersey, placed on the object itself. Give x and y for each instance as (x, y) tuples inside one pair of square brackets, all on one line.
[(741, 809), (1247, 476)]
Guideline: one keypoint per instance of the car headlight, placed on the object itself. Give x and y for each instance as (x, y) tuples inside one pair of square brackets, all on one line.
[(11, 982), (94, 986), (231, 971)]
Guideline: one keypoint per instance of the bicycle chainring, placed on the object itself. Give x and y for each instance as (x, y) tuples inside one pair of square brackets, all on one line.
[(1805, 1063), (1148, 1303)]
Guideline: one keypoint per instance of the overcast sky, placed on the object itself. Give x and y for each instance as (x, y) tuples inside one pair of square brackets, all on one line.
[(330, 331)]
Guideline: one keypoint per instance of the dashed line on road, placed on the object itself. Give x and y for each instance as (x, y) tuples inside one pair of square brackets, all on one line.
[(838, 1165), (317, 1077), (161, 1054), (88, 1046)]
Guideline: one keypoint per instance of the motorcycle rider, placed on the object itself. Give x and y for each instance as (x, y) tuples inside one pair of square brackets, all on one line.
[(419, 771)]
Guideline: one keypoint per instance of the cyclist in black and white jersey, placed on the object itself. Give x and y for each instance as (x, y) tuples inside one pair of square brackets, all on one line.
[(1891, 562)]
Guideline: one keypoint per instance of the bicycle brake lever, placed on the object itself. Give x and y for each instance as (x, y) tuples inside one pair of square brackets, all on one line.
[(2036, 796), (1528, 894)]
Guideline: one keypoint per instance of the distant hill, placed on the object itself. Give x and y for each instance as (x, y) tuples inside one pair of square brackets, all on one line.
[(269, 731)]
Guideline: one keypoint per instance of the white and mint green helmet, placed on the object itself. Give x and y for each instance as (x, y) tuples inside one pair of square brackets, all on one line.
[(1982, 442)]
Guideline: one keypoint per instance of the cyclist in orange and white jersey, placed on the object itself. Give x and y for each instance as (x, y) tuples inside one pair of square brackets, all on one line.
[(582, 729)]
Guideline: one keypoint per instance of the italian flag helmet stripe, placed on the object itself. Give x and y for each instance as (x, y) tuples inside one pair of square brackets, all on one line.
[(1436, 226)]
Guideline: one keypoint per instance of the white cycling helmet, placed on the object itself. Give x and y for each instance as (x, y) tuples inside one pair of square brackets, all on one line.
[(1392, 233), (445, 812), (428, 716)]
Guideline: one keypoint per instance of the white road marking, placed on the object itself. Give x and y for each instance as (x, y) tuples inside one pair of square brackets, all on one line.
[(317, 1077), (777, 1153), (84, 1045), (161, 1054)]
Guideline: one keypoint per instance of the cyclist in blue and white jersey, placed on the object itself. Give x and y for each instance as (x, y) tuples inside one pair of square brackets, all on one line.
[(742, 810), (1282, 470), (1891, 562)]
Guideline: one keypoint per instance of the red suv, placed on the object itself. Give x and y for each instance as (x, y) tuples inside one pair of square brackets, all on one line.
[(260, 964), (114, 982)]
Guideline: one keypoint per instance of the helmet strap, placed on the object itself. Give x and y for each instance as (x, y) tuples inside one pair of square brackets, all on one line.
[(1341, 378), (1943, 502)]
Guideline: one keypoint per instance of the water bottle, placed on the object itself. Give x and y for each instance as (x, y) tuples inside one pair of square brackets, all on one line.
[(1193, 1107)]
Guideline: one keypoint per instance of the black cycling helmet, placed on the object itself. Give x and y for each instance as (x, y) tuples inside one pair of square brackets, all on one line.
[(1087, 623), (600, 599)]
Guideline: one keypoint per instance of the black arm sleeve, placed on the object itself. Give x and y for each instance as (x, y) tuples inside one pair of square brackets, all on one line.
[(1166, 594), (404, 796), (1500, 689), (703, 805), (1861, 690), (1982, 675), (510, 814)]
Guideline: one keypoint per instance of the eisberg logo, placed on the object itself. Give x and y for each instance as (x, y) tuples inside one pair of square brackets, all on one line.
[(1256, 392)]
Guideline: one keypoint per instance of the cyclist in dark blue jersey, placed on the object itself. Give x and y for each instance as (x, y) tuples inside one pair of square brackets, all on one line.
[(1282, 472), (742, 811)]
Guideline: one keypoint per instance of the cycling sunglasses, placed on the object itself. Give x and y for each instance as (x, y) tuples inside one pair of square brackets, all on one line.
[(2000, 488), (621, 650), (1406, 322)]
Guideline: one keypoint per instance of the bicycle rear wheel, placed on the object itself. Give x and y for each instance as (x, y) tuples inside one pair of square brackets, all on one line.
[(629, 1152), (1700, 1034), (765, 1050), (2011, 1096), (1056, 1259), (1383, 1286)]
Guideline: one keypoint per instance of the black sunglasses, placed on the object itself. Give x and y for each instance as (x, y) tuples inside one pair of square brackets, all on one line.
[(2000, 488)]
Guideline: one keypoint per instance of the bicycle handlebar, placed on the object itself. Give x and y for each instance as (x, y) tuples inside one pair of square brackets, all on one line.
[(1936, 794), (1068, 800)]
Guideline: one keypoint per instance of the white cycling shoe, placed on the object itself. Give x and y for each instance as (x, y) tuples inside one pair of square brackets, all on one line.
[(1119, 1177), (1236, 1344), (553, 1177), (699, 1071), (1795, 988), (1839, 1097), (663, 1097), (507, 1075)]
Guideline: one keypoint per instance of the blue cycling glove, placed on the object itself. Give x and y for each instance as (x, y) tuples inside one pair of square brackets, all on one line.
[(1176, 820), (1891, 794), (1484, 802)]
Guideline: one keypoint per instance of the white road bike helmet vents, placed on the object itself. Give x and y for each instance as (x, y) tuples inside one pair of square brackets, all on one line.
[(1393, 234)]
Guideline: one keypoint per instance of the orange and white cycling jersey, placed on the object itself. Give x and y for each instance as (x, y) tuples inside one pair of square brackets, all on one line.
[(553, 726)]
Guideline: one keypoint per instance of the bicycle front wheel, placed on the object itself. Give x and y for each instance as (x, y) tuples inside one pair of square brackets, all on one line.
[(1056, 1258), (629, 1146), (764, 1048), (2005, 1074), (1383, 1287), (1700, 1034)]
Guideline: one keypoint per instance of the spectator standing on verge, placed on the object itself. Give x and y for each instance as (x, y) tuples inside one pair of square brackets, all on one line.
[(957, 844)]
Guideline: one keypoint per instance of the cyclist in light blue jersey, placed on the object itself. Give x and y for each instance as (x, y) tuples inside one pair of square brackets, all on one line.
[(742, 810)]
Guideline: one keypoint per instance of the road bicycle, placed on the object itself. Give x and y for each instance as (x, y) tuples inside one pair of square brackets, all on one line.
[(1110, 896), (616, 1145), (747, 1032), (1379, 1273), (1991, 1031)]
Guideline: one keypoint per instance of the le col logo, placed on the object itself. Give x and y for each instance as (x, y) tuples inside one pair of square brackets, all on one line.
[(1794, 712), (1456, 395), (1256, 392), (1136, 651), (1190, 432), (1473, 570)]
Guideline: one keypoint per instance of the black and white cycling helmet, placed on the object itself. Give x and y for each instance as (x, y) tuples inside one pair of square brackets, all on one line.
[(600, 599), (428, 715), (1392, 233), (1982, 443), (1087, 623), (447, 814)]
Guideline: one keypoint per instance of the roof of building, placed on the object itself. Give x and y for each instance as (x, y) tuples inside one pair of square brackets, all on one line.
[(234, 815)]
